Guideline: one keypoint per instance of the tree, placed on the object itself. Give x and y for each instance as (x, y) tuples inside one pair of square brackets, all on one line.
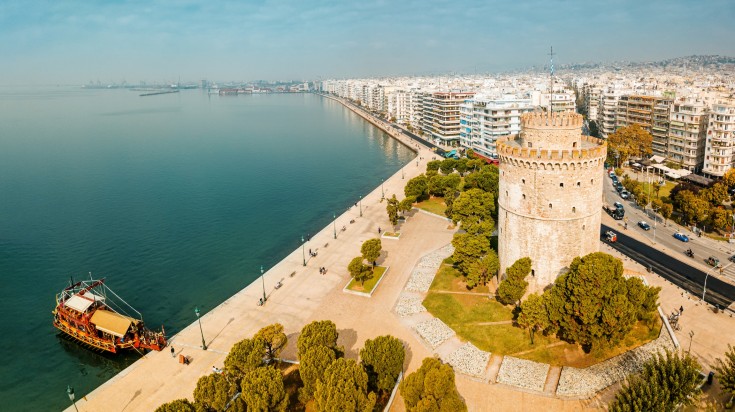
[(474, 208), (392, 209), (721, 218), (726, 371), (246, 355), (447, 165), (594, 130), (417, 187), (480, 271), (461, 166), (312, 365), (214, 391), (641, 200), (433, 165), (438, 184), (512, 289), (359, 271), (406, 204), (592, 303), (179, 405), (468, 249), (728, 179), (486, 178), (629, 141), (371, 249), (533, 315), (667, 209), (694, 208), (383, 359), (318, 332), (344, 388), (666, 382), (715, 195), (262, 390), (432, 388), (274, 340)]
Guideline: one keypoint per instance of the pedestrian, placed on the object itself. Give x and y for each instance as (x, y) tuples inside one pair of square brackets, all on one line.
[(378, 229), (310, 253), (308, 237), (173, 352), (681, 309)]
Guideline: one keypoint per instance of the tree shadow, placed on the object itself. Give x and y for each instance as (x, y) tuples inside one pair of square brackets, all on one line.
[(347, 339), (220, 331), (290, 351)]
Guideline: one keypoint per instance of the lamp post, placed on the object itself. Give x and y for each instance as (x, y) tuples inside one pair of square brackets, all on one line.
[(263, 280), (204, 344), (360, 205), (402, 176), (691, 337), (382, 189), (334, 222), (70, 393), (704, 289), (303, 245)]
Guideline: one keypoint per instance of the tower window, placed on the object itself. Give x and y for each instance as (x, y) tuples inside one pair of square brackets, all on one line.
[(561, 184), (523, 181), (524, 197), (592, 181), (579, 184), (574, 144), (550, 206), (584, 226), (574, 210)]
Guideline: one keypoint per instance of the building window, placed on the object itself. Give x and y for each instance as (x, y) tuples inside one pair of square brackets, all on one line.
[(530, 144), (574, 144), (574, 210), (524, 197), (561, 184), (592, 181), (584, 226), (550, 206), (579, 184), (523, 181)]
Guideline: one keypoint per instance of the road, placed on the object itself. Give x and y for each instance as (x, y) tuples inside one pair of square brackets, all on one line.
[(659, 249)]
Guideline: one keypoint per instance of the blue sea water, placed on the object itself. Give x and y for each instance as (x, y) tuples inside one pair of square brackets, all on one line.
[(176, 199)]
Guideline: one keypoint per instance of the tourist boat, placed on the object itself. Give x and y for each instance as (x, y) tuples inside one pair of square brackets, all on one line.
[(94, 315)]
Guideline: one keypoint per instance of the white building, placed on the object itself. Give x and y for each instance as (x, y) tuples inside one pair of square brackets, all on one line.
[(483, 120), (719, 150)]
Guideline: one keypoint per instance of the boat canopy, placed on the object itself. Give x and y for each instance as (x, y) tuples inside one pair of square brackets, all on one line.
[(111, 322), (79, 303)]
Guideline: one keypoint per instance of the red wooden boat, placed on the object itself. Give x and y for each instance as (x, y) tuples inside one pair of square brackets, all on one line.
[(94, 315)]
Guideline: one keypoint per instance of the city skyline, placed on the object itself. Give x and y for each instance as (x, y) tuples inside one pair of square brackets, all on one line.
[(75, 42)]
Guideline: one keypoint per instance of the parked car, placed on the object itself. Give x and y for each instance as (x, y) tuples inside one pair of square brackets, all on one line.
[(681, 236), (611, 236), (644, 225), (612, 174), (618, 205), (625, 194), (619, 187), (713, 261)]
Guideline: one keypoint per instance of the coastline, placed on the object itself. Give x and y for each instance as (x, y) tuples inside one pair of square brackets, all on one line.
[(244, 302)]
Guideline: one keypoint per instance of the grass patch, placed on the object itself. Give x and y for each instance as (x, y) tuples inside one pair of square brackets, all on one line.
[(664, 192), (392, 234), (458, 310), (370, 283), (433, 205), (500, 339), (450, 279)]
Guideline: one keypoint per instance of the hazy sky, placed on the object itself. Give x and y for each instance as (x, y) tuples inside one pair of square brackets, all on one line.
[(72, 42)]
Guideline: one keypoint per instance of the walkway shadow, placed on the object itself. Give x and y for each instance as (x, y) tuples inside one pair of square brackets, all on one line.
[(347, 339), (220, 332)]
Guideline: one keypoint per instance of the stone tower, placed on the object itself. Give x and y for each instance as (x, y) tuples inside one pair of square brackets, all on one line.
[(550, 195)]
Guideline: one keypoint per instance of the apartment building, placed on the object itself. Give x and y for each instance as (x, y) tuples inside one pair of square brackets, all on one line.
[(483, 120), (607, 111), (591, 93), (687, 134), (720, 146), (440, 116), (651, 113)]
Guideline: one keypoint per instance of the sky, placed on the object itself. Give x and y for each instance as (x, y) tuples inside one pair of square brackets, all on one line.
[(75, 41)]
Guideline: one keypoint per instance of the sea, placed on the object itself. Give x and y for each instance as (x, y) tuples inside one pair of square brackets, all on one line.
[(175, 199)]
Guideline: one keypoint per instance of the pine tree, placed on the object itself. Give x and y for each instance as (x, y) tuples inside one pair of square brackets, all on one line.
[(432, 388), (726, 371), (383, 359)]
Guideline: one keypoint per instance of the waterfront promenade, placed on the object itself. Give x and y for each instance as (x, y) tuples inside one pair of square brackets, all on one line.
[(307, 295)]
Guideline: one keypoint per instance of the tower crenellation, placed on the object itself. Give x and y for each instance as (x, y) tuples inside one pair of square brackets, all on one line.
[(550, 194)]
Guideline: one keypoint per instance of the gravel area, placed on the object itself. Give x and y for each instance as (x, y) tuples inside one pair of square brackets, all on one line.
[(469, 360), (434, 331), (523, 373), (424, 272), (409, 305), (586, 382)]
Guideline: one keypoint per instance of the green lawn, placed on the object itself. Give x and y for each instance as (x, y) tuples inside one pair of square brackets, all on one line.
[(370, 283), (664, 192), (465, 313), (450, 279), (455, 309), (433, 205)]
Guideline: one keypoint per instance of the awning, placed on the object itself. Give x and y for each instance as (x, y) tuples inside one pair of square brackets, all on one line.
[(111, 322), (78, 303)]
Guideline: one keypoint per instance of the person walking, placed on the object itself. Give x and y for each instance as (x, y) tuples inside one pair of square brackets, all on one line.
[(173, 352)]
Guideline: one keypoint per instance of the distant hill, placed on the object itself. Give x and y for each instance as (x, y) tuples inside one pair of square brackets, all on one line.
[(689, 62)]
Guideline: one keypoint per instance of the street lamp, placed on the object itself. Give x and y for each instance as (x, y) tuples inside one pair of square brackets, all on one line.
[(303, 254), (70, 393), (334, 222), (704, 289), (382, 189), (263, 280), (402, 177), (204, 344), (691, 337), (360, 205)]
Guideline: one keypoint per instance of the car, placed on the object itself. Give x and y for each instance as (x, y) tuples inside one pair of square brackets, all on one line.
[(681, 236), (611, 236), (625, 194), (713, 261), (612, 174), (619, 187), (618, 205), (644, 225)]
